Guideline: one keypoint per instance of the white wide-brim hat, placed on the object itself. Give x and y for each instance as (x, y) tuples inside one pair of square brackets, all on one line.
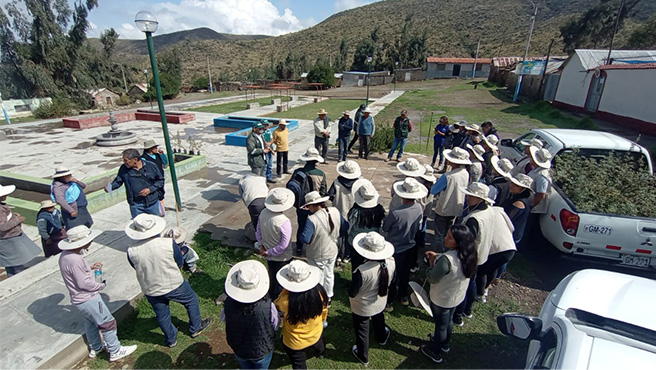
[(542, 157), (454, 129), (279, 200), (533, 142), (149, 144), (6, 190), (457, 156), (312, 154), (429, 175), (314, 197), (366, 110), (478, 151), (419, 297), (77, 237), (349, 169), (61, 172), (365, 194), (144, 226), (473, 127), (411, 168), (410, 188), (478, 190), (491, 141), (297, 276), (522, 180), (373, 246), (247, 281), (282, 121), (502, 166), (178, 234)]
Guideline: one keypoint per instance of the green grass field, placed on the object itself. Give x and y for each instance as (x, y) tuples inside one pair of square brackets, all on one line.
[(231, 107), (3, 121), (334, 107)]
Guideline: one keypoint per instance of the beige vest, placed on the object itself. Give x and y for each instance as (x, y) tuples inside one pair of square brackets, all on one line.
[(451, 289), (485, 220), (475, 171), (253, 187), (368, 302), (544, 204), (270, 224), (451, 200), (502, 239), (324, 243), (155, 265), (343, 200)]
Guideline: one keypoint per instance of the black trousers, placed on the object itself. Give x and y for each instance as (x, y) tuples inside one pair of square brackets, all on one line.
[(363, 150), (488, 271), (321, 144), (254, 210), (355, 139), (443, 318), (274, 286), (298, 357), (361, 327), (356, 258), (466, 306), (404, 262), (281, 162)]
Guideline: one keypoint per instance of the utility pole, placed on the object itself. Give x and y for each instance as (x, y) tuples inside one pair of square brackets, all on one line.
[(209, 74), (125, 84), (476, 58), (544, 70), (528, 44), (612, 38)]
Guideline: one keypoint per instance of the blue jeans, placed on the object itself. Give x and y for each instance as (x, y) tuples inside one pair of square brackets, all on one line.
[(139, 208), (397, 141), (438, 149), (262, 363), (97, 316), (443, 318), (269, 166), (186, 297), (342, 145)]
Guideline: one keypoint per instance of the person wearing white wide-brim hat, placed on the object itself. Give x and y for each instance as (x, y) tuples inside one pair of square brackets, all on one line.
[(368, 291), (50, 223), (84, 290), (68, 192), (518, 205), (344, 128), (274, 234), (317, 182), (477, 159), (16, 249), (409, 168), (189, 255), (366, 215), (489, 143), (343, 199), (322, 229), (541, 175), (251, 318), (500, 183), (304, 321), (400, 228), (157, 262), (321, 126), (524, 165)]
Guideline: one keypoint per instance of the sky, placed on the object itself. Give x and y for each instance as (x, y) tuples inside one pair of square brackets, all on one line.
[(268, 17)]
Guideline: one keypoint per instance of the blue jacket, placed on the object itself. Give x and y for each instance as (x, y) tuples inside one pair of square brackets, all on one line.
[(149, 176), (366, 126), (345, 126)]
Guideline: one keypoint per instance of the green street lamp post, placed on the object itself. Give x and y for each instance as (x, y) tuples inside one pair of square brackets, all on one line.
[(369, 60), (396, 69), (147, 23)]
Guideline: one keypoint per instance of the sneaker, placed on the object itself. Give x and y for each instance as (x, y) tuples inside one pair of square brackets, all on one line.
[(93, 353), (271, 181), (405, 301), (468, 315), (330, 302), (389, 308), (387, 337), (414, 269), (173, 344), (124, 351), (287, 173), (203, 325), (325, 324), (446, 349), (436, 357), (346, 260), (388, 159), (354, 350), (458, 322), (339, 260)]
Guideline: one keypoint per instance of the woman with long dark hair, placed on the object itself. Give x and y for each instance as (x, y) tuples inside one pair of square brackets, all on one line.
[(368, 291), (367, 214), (304, 306), (449, 275)]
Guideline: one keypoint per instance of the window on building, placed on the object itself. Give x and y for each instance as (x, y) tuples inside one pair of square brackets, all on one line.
[(441, 67), (479, 67)]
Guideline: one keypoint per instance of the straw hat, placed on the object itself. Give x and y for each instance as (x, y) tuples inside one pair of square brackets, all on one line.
[(366, 110), (77, 237), (410, 188), (522, 180), (47, 204), (61, 172), (411, 167), (454, 129), (247, 281), (312, 154), (478, 151), (460, 123), (502, 166), (457, 155), (542, 157), (478, 190), (297, 276), (279, 200), (419, 297), (373, 246), (282, 121), (473, 127), (6, 190), (349, 169), (346, 113), (322, 111), (533, 142), (314, 197), (144, 226), (178, 234), (429, 174), (365, 194), (150, 143)]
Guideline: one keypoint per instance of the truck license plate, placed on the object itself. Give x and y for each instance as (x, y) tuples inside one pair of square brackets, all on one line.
[(638, 261), (597, 229)]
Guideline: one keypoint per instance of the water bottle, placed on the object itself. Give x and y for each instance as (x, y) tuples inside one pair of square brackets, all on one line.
[(97, 275)]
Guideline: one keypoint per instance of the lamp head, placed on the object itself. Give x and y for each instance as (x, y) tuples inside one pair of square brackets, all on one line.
[(146, 21), (370, 59)]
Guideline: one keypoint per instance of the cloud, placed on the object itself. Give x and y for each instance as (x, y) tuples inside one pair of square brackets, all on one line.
[(350, 4)]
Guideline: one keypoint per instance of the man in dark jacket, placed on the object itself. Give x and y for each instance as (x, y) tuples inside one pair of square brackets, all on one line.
[(345, 125), (142, 183), (402, 127), (356, 120), (256, 149)]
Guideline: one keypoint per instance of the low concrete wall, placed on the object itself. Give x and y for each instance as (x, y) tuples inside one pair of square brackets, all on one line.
[(143, 115)]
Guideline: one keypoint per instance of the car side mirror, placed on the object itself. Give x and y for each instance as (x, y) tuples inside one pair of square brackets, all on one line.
[(519, 326), (506, 142)]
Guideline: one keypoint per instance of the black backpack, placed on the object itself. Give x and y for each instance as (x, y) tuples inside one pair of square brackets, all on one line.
[(300, 184)]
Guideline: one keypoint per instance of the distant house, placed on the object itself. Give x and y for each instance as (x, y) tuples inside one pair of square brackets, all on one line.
[(410, 74), (621, 92), (457, 67), (137, 91), (104, 97), (357, 78), (23, 107), (508, 76)]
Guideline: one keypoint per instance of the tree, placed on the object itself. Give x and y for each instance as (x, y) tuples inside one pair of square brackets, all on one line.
[(170, 85), (169, 64), (322, 72), (108, 39), (644, 37), (366, 48), (201, 83)]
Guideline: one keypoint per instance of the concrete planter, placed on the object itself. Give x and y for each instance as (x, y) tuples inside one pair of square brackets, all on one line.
[(239, 138)]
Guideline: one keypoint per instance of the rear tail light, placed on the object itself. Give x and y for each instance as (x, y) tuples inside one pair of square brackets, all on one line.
[(568, 245), (569, 222)]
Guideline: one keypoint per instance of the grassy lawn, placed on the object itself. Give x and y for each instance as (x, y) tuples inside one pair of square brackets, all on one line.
[(231, 107), (3, 121), (334, 107), (478, 344)]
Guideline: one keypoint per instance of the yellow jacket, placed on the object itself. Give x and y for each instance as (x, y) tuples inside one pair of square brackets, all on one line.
[(281, 139), (301, 335)]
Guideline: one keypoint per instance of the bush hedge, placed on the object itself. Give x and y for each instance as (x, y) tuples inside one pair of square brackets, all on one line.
[(59, 107)]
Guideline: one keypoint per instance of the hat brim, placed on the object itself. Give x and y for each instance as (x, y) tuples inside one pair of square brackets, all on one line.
[(416, 173), (478, 156), (233, 290), (544, 164), (182, 234), (279, 207), (495, 165), (467, 192), (297, 287), (400, 191), (364, 203), (6, 190), (160, 225), (447, 155), (429, 178), (421, 297), (305, 158), (57, 175), (316, 201), (358, 245), (347, 175), (514, 181), (65, 245), (51, 204)]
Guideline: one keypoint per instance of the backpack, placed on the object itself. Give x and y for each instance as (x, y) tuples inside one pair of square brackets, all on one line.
[(300, 184)]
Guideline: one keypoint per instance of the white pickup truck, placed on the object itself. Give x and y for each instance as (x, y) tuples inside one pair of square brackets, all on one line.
[(617, 239)]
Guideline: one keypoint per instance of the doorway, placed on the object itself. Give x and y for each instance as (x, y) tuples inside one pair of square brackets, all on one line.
[(456, 70)]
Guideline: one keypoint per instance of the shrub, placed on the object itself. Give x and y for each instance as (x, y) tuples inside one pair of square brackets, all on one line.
[(123, 100), (60, 107), (383, 138), (322, 73), (201, 83), (170, 86)]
